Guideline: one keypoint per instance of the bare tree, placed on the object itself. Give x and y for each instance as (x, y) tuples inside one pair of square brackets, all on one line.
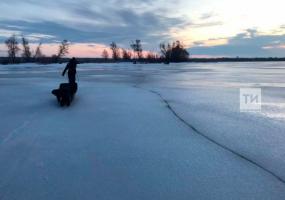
[(166, 50), (127, 55), (105, 54), (26, 50), (13, 48), (137, 48), (63, 49), (38, 54), (115, 51)]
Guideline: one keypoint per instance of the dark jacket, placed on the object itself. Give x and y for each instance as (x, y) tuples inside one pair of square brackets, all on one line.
[(71, 67)]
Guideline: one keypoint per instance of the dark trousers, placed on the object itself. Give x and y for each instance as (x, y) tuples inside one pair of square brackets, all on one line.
[(71, 77)]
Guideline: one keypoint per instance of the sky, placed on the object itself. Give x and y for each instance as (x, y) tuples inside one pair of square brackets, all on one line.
[(207, 28)]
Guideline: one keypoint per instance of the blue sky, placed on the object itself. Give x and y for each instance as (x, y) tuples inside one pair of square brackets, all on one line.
[(207, 27)]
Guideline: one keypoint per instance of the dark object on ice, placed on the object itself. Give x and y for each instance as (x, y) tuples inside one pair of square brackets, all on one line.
[(65, 93), (71, 67)]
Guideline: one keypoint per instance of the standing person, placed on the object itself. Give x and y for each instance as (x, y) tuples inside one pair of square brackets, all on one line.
[(71, 67)]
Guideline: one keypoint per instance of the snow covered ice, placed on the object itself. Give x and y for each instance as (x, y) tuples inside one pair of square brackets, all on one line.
[(142, 132)]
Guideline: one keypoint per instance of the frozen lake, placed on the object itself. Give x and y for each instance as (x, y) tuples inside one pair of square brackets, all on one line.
[(142, 132)]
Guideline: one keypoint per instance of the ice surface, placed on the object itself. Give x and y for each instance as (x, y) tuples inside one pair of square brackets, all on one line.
[(120, 140)]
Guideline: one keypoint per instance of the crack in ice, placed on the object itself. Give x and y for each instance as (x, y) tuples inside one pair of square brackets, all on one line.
[(16, 130), (169, 107)]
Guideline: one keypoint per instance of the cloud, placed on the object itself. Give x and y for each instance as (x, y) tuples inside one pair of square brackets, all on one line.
[(208, 15), (86, 21), (204, 24), (4, 33), (38, 37), (246, 44), (101, 22)]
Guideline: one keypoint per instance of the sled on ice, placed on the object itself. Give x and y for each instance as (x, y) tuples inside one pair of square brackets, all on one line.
[(65, 93)]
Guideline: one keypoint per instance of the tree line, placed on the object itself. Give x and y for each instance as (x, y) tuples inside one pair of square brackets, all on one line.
[(174, 52), (27, 55)]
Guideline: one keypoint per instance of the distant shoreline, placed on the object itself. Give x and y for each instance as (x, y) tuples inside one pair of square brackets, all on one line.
[(47, 60), (270, 59)]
